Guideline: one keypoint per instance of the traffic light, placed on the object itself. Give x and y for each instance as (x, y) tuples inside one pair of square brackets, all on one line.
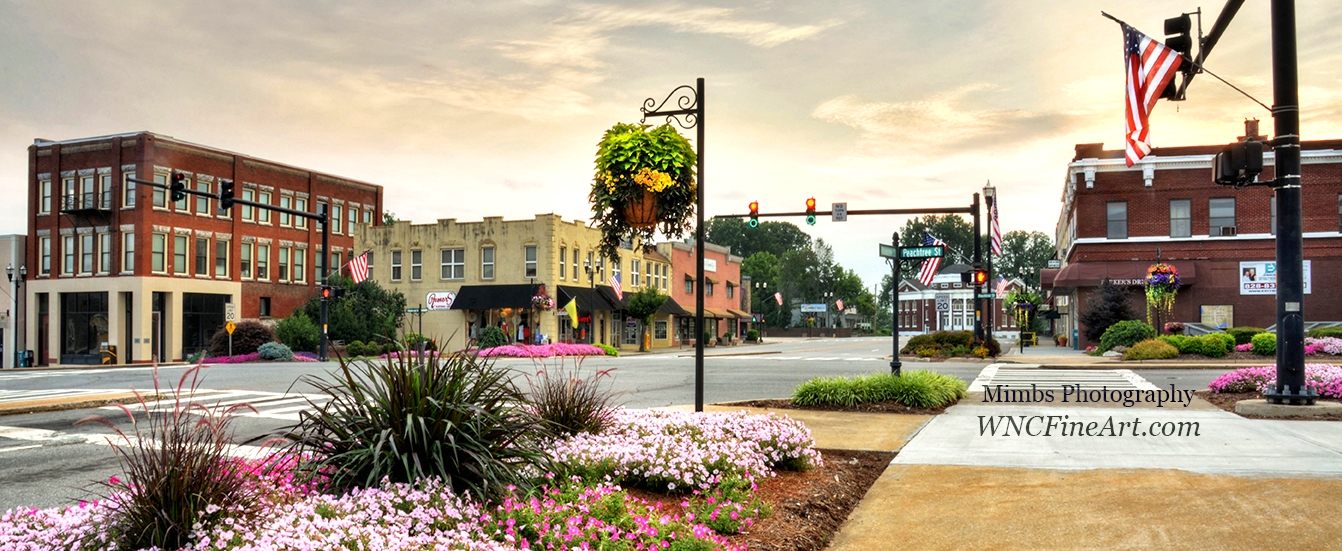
[(980, 277), (1178, 38), (810, 211), (754, 214), (178, 187), (327, 293), (1238, 164), (225, 194)]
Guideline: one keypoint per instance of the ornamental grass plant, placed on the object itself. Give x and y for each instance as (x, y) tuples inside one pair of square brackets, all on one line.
[(179, 471), (450, 416), (570, 403), (919, 389)]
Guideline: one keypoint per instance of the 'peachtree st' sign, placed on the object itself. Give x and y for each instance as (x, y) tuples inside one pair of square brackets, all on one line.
[(921, 252)]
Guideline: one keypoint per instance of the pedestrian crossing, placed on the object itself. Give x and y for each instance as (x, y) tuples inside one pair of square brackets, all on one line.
[(771, 357), (11, 396), (1020, 376), (27, 375), (268, 405)]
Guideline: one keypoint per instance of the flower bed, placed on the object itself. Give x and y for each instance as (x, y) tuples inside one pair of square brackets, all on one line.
[(718, 454), (541, 350), (1326, 379), (256, 357)]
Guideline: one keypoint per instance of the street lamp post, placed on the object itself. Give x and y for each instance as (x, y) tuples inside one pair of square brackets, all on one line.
[(13, 314)]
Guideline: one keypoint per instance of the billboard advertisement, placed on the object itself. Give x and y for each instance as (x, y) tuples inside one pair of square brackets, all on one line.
[(1260, 278)]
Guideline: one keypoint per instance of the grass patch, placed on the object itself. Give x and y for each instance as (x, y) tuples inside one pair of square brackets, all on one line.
[(920, 389)]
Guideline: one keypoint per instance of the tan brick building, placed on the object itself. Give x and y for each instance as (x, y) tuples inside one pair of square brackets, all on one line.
[(118, 263)]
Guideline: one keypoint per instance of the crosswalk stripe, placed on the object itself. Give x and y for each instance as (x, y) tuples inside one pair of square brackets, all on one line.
[(263, 402), (22, 395)]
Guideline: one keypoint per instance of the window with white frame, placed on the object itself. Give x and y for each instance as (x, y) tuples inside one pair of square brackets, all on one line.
[(300, 265), (299, 221), (180, 245), (104, 253), (248, 212), (283, 272), (1116, 218), (68, 253), (1181, 218), (158, 244), (159, 195), (89, 193), (44, 206), (263, 215), (563, 262), (487, 263), (453, 264), (202, 201), (353, 218), (221, 258), (731, 289), (575, 264), (128, 252), (245, 260), (336, 219), (105, 191), (127, 190), (368, 215), (396, 265), (202, 256), (285, 203), (416, 265), (689, 286), (633, 273), (86, 252), (1221, 216), (529, 269), (263, 262)]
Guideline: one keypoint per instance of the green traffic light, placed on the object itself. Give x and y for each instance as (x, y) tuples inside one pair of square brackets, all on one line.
[(810, 219), (754, 222)]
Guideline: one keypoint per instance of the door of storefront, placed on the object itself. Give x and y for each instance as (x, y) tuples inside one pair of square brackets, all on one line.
[(202, 317), (632, 330), (43, 329), (83, 327), (156, 340)]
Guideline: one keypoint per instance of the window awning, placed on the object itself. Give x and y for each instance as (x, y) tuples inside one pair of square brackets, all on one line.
[(1090, 274), (741, 315), (589, 299), (674, 308), (493, 297), (720, 313), (609, 294)]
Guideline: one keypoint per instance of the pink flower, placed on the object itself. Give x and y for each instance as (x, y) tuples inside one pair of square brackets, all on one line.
[(114, 480)]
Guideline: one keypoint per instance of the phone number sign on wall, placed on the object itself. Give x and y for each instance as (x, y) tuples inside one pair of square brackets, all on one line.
[(1260, 278)]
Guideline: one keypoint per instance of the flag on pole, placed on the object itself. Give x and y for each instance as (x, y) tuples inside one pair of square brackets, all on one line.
[(996, 231), (932, 265), (839, 304), (615, 285), (1150, 66), (1001, 287), (572, 309), (779, 297), (358, 268)]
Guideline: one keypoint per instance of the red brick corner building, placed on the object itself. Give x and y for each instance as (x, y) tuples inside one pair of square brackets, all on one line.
[(1117, 221), (122, 264)]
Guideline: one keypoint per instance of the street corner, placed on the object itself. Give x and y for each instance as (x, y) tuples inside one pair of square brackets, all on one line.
[(60, 400)]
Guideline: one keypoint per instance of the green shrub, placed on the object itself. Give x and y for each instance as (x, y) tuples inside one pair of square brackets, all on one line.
[(610, 350), (455, 417), (1126, 333), (1226, 338), (1182, 343), (960, 351), (951, 339), (491, 337), (298, 332), (195, 356), (943, 342), (1264, 344), (752, 336), (177, 465), (1243, 335), (1151, 349), (413, 340), (918, 341), (570, 403), (922, 389), (276, 352), (247, 337), (1212, 346), (372, 348), (1320, 332), (994, 348), (355, 349)]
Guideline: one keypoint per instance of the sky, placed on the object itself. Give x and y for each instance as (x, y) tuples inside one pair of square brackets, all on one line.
[(471, 109)]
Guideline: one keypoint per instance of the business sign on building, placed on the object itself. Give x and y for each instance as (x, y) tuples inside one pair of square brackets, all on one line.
[(710, 265), (1260, 278), (814, 308), (440, 300)]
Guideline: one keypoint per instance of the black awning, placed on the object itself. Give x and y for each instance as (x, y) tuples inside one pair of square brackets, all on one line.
[(491, 297), (609, 293), (589, 299), (674, 308)]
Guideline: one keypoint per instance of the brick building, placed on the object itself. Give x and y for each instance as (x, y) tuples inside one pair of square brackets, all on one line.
[(112, 262), (726, 300), (918, 312), (1117, 221)]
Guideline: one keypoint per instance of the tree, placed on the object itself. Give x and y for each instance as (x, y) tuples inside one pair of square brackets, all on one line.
[(1109, 305), (644, 304), (762, 268), (951, 229), (773, 237), (366, 313), (1024, 251), (388, 218)]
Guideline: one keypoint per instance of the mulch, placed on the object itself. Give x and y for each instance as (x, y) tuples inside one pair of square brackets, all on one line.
[(1227, 400), (809, 506), (871, 407)]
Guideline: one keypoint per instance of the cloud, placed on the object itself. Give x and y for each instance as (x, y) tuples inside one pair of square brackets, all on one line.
[(940, 124)]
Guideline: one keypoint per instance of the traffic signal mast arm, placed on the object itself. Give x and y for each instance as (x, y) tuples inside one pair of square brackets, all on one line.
[(309, 215), (1222, 22), (946, 210)]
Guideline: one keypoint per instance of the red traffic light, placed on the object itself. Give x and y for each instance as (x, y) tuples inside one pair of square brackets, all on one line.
[(326, 292), (980, 277), (810, 204), (754, 207)]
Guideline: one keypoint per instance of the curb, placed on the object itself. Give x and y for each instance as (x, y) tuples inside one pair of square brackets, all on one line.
[(91, 366), (71, 402)]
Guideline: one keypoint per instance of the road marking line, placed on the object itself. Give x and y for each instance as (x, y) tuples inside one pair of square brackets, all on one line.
[(17, 448), (51, 436)]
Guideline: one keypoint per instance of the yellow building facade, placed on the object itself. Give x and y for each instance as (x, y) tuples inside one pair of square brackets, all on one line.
[(471, 275)]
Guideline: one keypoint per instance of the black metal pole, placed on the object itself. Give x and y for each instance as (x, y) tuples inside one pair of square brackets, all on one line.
[(699, 254), (895, 365), (990, 313), (324, 211), (1290, 245), (978, 263)]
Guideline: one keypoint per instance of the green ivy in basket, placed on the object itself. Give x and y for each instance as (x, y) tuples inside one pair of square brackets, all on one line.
[(631, 159)]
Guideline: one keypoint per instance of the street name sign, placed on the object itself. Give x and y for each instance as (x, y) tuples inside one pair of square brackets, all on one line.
[(415, 310), (889, 252), (936, 251), (987, 295)]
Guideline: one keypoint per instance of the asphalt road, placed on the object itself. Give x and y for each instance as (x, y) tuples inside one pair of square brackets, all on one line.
[(43, 469)]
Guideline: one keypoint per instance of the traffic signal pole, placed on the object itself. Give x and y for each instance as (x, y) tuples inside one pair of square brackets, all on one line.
[(324, 220), (978, 264), (226, 202)]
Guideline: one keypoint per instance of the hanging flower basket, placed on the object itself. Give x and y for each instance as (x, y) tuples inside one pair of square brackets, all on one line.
[(542, 302), (644, 183), (1162, 284)]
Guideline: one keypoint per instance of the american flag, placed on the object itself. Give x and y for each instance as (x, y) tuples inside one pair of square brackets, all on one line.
[(358, 268), (1149, 66), (996, 231), (1001, 287), (779, 297), (931, 265), (839, 304), (615, 285)]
